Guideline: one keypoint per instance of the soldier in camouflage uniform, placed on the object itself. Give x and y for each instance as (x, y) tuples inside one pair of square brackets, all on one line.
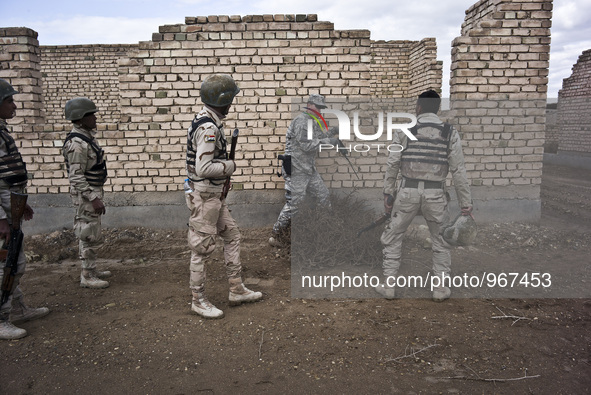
[(13, 178), (424, 165), (208, 167), (87, 173), (299, 167)]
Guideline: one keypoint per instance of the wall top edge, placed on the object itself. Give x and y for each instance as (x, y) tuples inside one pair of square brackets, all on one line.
[(192, 20), (81, 46), (17, 31)]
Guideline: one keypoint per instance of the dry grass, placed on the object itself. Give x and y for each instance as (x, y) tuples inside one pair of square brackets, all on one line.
[(323, 237)]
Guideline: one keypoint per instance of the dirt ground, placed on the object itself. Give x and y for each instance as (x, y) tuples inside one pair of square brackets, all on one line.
[(138, 336)]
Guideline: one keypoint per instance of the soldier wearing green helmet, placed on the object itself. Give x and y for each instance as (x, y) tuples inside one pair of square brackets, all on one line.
[(87, 173), (218, 91), (6, 90), (78, 108), (13, 178), (208, 167)]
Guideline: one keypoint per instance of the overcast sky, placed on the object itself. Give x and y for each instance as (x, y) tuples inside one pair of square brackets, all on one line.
[(64, 22)]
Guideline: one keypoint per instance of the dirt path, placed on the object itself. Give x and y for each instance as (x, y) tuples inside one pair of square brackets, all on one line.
[(137, 337)]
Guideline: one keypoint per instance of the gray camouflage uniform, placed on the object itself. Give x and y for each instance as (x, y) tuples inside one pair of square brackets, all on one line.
[(304, 176), (423, 189)]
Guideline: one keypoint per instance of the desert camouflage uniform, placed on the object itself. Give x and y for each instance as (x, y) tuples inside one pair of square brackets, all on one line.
[(210, 215), (8, 147), (304, 176), (422, 189), (81, 158)]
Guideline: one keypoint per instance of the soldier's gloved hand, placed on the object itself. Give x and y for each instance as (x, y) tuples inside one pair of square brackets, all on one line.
[(388, 202), (4, 230), (98, 206), (330, 140), (467, 210), (334, 141), (28, 213)]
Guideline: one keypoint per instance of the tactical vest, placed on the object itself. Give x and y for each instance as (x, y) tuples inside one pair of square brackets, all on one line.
[(13, 169), (192, 149), (426, 158), (97, 174)]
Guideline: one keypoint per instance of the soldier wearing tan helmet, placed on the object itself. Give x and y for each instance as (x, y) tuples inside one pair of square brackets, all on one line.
[(13, 178), (87, 173), (208, 167)]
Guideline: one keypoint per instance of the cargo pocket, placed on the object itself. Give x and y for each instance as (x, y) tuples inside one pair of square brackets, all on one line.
[(87, 232), (435, 207), (407, 200)]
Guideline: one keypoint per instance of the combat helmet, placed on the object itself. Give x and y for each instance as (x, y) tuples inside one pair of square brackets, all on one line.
[(78, 107), (218, 90), (6, 90), (461, 231), (317, 100)]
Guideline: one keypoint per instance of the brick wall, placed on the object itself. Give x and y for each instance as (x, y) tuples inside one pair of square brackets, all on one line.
[(20, 64), (404, 68), (148, 93), (425, 69), (152, 94), (274, 59), (552, 130), (573, 131), (81, 70), (498, 95)]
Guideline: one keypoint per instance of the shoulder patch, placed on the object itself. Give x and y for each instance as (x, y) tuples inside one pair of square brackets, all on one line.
[(209, 137)]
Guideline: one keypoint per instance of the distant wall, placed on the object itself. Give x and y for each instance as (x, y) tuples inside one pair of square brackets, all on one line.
[(404, 68), (89, 70), (573, 112)]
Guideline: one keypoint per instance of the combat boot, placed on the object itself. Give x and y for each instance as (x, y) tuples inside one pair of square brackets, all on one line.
[(274, 242), (386, 291), (441, 293), (89, 279), (203, 307), (280, 239), (8, 331), (240, 294), (23, 313)]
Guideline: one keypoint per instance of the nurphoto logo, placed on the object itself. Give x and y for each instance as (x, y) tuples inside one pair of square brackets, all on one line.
[(345, 130)]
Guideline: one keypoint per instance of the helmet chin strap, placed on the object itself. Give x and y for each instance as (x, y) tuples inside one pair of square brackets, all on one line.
[(81, 125), (226, 109), (223, 111)]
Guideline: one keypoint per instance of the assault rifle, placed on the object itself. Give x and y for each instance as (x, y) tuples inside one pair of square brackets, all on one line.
[(344, 153), (228, 183), (18, 203), (377, 222), (386, 216)]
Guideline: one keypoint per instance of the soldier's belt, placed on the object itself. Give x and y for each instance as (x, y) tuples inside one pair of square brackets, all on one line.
[(414, 183)]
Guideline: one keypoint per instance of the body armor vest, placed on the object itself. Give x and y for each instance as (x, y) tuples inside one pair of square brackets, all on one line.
[(12, 167), (192, 150), (426, 158), (97, 174)]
